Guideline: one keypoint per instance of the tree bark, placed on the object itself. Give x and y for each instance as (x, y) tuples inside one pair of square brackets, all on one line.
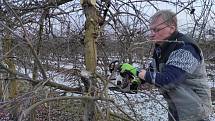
[(7, 46), (91, 34), (10, 85)]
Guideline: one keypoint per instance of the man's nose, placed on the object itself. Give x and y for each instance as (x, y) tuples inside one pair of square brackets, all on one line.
[(152, 35)]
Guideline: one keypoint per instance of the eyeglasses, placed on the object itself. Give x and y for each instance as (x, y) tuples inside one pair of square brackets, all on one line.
[(155, 30)]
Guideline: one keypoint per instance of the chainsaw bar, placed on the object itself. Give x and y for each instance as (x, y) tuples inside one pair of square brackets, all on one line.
[(125, 90)]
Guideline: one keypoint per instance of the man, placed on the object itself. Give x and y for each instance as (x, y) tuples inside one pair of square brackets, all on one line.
[(181, 74)]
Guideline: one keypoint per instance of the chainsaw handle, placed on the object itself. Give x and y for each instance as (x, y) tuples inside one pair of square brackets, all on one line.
[(113, 65)]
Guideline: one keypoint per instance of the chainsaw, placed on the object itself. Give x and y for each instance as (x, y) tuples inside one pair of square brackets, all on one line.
[(126, 82)]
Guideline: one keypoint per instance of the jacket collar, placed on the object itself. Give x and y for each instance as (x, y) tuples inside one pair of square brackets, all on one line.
[(170, 39)]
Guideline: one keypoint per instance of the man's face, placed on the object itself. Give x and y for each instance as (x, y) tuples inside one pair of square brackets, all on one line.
[(159, 31)]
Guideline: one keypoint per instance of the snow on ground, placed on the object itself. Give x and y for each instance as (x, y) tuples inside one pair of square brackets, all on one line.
[(147, 106)]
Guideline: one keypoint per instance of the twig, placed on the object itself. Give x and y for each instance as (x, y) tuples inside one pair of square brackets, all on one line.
[(27, 111)]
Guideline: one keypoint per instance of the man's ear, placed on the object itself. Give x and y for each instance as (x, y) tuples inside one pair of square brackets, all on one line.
[(173, 28)]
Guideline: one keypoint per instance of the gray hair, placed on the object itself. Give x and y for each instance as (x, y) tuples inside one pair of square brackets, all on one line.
[(168, 16)]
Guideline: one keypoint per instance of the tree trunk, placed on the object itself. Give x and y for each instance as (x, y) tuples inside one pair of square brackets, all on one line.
[(9, 85), (1, 74), (7, 46), (91, 33)]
